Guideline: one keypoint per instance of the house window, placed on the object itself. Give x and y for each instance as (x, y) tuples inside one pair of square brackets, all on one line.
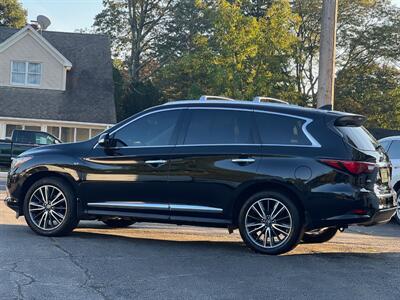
[(54, 130), (67, 134), (26, 73), (32, 128), (82, 134), (10, 128), (96, 132)]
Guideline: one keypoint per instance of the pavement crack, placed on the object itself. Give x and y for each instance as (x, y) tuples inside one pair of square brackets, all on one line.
[(89, 277), (30, 280)]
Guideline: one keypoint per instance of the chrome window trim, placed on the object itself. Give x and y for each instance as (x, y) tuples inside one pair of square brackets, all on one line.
[(308, 121), (138, 118), (144, 115), (156, 206)]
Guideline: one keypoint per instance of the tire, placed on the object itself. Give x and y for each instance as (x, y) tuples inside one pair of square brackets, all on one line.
[(278, 231), (319, 236), (118, 222), (56, 218)]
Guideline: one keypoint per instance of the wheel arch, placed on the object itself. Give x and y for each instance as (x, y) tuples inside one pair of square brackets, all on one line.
[(396, 187), (254, 188), (45, 174)]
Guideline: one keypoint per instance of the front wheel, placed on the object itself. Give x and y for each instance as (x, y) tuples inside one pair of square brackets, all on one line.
[(270, 223), (50, 207), (319, 235)]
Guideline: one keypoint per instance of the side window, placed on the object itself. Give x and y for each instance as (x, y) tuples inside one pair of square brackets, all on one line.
[(44, 139), (34, 138), (281, 130), (219, 127), (394, 150), (153, 130)]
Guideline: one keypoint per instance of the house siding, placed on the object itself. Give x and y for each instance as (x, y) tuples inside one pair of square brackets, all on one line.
[(28, 49)]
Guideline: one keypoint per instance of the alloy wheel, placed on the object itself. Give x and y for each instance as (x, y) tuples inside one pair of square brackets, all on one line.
[(268, 223), (47, 207), (398, 208)]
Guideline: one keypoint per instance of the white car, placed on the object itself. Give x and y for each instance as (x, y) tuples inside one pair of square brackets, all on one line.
[(392, 147)]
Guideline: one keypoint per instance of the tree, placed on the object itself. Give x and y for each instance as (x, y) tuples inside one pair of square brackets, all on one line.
[(237, 55), (372, 90), (133, 26), (256, 8), (368, 32), (12, 14)]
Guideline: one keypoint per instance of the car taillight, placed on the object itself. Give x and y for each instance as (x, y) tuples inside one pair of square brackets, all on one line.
[(353, 167)]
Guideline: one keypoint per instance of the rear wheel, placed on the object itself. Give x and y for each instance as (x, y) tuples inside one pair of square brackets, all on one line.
[(270, 223), (118, 222), (50, 207), (319, 235)]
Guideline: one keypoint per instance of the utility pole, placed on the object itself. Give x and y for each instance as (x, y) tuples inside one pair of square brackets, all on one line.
[(327, 54)]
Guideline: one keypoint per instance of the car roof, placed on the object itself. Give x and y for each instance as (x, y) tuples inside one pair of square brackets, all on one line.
[(274, 107)]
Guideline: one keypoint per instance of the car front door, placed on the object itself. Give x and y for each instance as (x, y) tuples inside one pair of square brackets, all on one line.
[(132, 177), (217, 152)]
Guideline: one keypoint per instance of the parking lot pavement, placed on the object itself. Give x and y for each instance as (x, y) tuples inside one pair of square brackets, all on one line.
[(169, 262)]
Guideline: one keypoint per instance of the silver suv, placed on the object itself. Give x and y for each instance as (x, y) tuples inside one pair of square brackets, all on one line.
[(392, 147)]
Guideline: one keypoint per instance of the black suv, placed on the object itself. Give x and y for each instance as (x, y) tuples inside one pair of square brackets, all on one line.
[(279, 173)]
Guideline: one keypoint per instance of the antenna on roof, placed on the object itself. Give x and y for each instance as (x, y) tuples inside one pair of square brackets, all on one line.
[(43, 21)]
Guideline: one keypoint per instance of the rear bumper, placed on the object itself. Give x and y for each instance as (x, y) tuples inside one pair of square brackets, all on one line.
[(377, 217), (368, 209)]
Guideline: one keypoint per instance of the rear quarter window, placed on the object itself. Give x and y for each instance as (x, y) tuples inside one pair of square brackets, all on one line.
[(281, 130), (359, 137)]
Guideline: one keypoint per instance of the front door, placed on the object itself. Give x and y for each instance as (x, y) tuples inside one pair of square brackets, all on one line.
[(132, 177)]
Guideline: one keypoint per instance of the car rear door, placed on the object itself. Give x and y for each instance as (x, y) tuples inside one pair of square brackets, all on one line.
[(217, 152)]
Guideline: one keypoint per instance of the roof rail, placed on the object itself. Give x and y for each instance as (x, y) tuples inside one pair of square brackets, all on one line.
[(260, 99), (205, 98)]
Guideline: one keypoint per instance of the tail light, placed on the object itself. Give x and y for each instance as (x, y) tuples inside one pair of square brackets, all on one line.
[(353, 167)]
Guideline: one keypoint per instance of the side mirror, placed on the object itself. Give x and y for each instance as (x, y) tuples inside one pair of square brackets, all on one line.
[(105, 141)]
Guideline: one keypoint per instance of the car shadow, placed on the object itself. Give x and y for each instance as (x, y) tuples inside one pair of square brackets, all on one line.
[(97, 243), (392, 229)]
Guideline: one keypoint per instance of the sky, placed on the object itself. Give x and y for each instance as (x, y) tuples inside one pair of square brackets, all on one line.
[(70, 15), (65, 15)]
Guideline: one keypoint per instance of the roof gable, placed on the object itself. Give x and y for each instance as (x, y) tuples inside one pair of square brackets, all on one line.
[(29, 30)]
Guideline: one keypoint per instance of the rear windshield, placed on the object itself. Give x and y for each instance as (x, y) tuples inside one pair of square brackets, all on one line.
[(359, 137)]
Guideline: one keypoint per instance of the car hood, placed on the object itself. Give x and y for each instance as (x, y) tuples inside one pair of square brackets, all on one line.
[(66, 148)]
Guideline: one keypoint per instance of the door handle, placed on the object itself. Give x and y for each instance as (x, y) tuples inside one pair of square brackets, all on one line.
[(157, 163), (243, 160)]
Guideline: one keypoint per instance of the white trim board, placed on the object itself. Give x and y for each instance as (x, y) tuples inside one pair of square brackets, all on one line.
[(58, 122), (28, 29)]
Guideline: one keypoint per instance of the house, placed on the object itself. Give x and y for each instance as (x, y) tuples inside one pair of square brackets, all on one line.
[(56, 82)]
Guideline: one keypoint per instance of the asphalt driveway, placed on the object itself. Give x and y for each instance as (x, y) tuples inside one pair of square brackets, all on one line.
[(170, 262)]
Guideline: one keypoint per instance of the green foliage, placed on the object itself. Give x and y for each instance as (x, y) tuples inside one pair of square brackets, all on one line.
[(12, 14), (243, 48), (238, 55), (373, 91)]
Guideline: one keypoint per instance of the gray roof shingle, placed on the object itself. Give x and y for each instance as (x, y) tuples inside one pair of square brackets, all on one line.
[(89, 96)]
